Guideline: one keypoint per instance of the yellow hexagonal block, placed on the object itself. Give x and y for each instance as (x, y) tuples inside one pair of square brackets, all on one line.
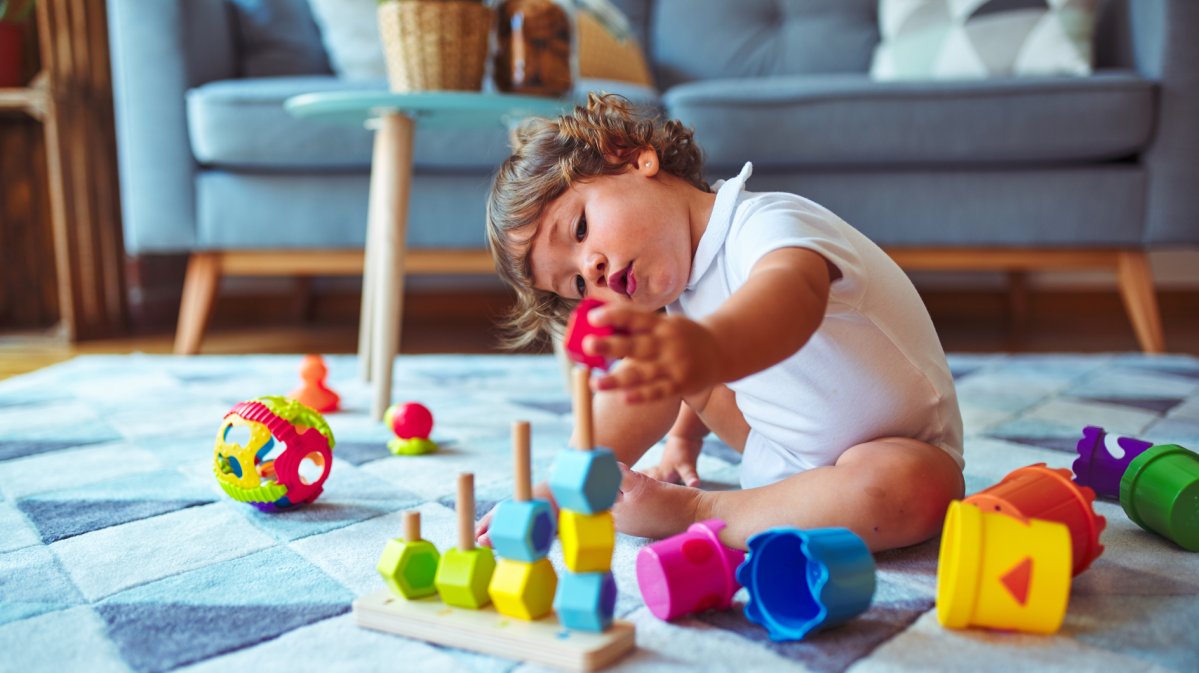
[(523, 590), (587, 540)]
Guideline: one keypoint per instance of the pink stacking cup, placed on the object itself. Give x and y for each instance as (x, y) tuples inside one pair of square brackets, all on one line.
[(689, 572)]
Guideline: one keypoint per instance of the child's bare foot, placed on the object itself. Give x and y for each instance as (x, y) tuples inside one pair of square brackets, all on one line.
[(650, 508)]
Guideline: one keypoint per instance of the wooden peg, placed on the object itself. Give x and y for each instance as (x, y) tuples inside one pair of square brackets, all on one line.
[(523, 490), (582, 400), (412, 526), (466, 511)]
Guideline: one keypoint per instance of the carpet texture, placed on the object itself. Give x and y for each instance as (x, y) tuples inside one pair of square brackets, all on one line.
[(118, 551)]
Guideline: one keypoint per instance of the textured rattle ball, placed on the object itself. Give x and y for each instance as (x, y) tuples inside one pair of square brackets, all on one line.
[(265, 472), (411, 422)]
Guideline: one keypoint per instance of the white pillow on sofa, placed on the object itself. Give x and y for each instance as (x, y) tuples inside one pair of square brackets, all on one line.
[(973, 39), (350, 33)]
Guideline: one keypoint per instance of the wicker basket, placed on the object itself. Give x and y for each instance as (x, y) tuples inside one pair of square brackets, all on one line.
[(435, 44)]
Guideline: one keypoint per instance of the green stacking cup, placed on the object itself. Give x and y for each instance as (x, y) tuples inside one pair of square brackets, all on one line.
[(1160, 492)]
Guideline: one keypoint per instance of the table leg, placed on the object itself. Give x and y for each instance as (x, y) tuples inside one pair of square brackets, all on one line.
[(392, 166), (376, 212)]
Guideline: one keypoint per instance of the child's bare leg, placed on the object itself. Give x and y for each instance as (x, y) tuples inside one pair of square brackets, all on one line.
[(892, 492)]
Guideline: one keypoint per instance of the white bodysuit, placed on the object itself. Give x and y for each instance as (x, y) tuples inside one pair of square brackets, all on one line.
[(874, 368)]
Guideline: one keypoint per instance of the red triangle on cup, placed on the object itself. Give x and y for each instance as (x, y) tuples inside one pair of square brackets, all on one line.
[(1017, 579)]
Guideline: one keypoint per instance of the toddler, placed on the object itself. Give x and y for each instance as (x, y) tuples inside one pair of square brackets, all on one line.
[(786, 332)]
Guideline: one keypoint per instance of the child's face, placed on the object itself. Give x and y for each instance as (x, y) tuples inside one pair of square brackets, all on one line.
[(619, 238)]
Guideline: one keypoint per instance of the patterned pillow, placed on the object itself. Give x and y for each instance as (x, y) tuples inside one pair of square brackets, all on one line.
[(973, 39)]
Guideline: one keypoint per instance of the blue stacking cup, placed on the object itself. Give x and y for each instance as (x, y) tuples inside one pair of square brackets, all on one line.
[(803, 581)]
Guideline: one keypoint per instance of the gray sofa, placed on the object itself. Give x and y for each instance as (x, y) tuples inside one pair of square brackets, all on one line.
[(1010, 174)]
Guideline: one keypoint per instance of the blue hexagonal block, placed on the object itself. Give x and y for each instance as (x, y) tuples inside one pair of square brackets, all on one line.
[(522, 531), (585, 481), (586, 601)]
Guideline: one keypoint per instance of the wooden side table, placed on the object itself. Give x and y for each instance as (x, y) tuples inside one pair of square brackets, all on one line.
[(394, 118)]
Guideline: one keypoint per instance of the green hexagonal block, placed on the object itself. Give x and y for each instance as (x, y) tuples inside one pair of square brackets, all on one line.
[(463, 576), (409, 568)]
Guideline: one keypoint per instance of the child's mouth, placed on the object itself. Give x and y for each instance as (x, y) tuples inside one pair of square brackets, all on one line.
[(623, 282)]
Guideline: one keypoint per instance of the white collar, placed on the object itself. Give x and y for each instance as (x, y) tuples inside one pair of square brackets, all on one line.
[(710, 243)]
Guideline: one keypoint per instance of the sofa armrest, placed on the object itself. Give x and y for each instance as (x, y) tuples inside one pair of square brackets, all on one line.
[(159, 50), (1165, 47)]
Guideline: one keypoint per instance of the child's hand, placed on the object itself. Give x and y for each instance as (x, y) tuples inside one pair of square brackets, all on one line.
[(678, 461), (663, 355)]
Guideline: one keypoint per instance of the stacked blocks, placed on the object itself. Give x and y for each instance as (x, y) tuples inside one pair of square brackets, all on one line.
[(585, 484), (465, 571), (521, 531), (409, 566)]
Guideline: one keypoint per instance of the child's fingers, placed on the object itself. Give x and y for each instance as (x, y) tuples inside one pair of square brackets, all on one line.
[(625, 318), (629, 376), (617, 346), (688, 474)]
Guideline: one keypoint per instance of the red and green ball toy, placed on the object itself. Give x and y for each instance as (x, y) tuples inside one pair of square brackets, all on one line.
[(411, 422)]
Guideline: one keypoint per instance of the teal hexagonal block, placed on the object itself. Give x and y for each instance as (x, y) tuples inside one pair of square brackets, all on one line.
[(585, 481), (586, 601), (409, 568), (522, 531)]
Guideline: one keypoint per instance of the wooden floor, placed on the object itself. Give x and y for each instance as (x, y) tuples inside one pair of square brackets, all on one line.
[(966, 322)]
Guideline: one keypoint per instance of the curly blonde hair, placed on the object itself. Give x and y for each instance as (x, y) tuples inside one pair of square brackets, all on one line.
[(550, 155)]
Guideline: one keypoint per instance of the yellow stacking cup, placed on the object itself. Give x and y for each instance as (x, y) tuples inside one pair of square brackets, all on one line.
[(1001, 572)]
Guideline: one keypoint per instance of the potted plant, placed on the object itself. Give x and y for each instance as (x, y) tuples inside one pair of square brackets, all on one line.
[(13, 13), (435, 44)]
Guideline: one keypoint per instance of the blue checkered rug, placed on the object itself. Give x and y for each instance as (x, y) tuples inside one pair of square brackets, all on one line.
[(119, 552)]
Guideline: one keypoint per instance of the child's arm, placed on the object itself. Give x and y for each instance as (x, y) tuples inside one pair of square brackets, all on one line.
[(775, 313)]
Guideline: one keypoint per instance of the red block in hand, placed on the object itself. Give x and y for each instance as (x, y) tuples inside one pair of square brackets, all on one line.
[(578, 328)]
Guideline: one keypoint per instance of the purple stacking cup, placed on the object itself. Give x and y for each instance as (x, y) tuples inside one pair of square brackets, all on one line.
[(1103, 458)]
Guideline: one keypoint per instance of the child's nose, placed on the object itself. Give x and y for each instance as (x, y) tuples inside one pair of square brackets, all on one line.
[(598, 271)]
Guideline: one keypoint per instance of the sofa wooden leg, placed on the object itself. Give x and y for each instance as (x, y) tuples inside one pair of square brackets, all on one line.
[(1017, 308), (1135, 279), (199, 289)]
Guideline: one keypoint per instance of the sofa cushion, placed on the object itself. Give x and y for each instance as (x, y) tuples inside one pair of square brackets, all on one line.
[(277, 38), (1096, 205), (710, 39), (268, 210), (242, 124), (943, 39), (845, 120)]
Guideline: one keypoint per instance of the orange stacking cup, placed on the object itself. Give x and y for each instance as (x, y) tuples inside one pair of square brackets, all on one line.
[(1040, 492)]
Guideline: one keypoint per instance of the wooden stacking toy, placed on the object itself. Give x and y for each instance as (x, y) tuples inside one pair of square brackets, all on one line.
[(465, 571), (408, 566), (1000, 572), (1038, 492), (1103, 459), (521, 531), (585, 483), (689, 572), (804, 581), (1160, 493)]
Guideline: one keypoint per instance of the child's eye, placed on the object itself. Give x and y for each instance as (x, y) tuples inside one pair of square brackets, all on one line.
[(580, 286), (581, 228)]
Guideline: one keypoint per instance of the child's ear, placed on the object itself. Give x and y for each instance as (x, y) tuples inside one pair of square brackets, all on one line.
[(647, 162)]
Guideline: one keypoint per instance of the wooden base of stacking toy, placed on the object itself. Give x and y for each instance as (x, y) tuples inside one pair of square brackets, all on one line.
[(486, 631)]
